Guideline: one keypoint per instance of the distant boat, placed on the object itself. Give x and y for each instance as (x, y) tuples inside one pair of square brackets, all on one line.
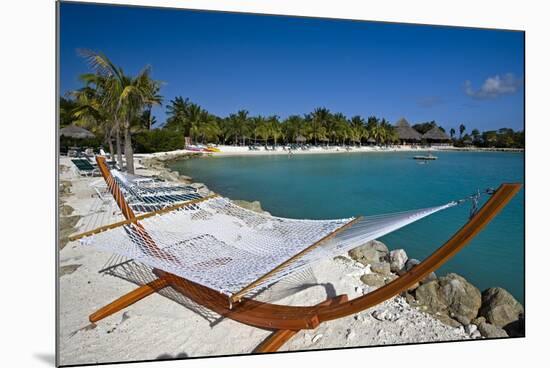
[(425, 157), (195, 148)]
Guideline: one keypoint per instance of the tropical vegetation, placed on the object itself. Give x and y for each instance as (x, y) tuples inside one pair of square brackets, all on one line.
[(115, 105), (318, 127)]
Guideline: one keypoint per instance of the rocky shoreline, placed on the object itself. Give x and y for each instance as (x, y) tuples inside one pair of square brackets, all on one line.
[(451, 299), (493, 313)]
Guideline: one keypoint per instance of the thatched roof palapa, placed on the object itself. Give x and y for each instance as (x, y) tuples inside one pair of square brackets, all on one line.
[(74, 131), (406, 132), (300, 138), (436, 134)]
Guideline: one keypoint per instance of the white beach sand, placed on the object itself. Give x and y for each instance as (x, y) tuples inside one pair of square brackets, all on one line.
[(157, 327), (245, 151), (225, 150)]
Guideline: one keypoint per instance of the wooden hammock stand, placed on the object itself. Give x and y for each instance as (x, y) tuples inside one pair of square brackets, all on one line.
[(286, 321)]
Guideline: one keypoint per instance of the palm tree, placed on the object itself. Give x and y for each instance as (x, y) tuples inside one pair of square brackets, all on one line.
[(357, 128), (391, 135), (254, 124), (178, 111), (337, 127), (376, 133), (93, 111), (452, 132), (129, 95), (66, 108), (372, 121), (263, 130), (292, 127), (340, 128), (382, 132), (242, 118), (197, 118), (239, 125), (274, 128), (461, 129), (226, 128), (210, 131), (319, 119)]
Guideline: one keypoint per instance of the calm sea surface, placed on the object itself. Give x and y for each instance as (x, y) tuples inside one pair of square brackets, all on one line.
[(344, 185)]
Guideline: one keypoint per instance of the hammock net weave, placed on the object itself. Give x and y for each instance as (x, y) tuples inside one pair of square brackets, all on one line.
[(225, 247)]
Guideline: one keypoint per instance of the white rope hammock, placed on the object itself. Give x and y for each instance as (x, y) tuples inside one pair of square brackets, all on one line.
[(227, 248)]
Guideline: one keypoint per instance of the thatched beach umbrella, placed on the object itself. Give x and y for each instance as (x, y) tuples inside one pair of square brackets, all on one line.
[(405, 132), (436, 135), (74, 131), (300, 139)]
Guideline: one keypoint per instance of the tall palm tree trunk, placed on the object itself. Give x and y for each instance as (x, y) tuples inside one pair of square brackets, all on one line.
[(128, 150), (118, 148)]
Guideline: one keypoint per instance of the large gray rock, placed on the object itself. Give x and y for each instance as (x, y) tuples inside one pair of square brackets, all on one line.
[(450, 295), (372, 252), (398, 258), (491, 331), (382, 268), (168, 175), (373, 279), (499, 307)]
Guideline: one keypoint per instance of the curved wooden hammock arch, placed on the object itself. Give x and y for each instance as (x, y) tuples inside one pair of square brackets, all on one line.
[(286, 321)]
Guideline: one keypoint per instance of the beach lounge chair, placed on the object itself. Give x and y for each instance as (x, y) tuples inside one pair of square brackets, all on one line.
[(146, 194), (220, 255), (83, 167)]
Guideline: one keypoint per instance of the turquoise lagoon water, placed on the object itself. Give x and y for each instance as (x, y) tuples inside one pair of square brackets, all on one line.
[(344, 185)]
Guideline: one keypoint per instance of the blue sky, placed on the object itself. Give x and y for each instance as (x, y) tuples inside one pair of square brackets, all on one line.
[(282, 65)]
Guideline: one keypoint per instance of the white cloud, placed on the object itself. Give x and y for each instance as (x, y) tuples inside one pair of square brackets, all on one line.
[(494, 86)]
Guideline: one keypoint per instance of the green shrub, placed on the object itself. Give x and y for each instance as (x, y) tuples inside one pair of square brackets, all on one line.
[(158, 140)]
